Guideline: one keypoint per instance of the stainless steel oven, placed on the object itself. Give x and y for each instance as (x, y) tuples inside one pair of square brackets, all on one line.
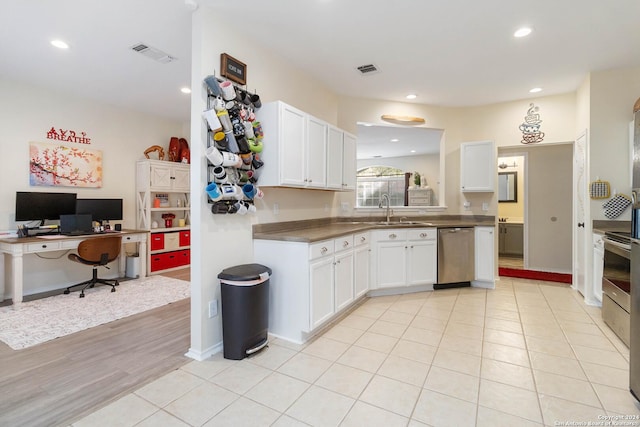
[(616, 284)]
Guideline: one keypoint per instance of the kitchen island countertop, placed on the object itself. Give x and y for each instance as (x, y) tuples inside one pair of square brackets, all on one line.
[(316, 230)]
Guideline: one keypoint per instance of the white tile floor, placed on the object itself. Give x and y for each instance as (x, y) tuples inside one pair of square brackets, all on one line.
[(526, 354)]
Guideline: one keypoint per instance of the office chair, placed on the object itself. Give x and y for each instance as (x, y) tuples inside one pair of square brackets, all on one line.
[(98, 251)]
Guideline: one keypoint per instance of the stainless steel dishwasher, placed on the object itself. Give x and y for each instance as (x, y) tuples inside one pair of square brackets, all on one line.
[(455, 255)]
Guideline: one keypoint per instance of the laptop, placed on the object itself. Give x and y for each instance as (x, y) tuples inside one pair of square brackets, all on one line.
[(76, 225)]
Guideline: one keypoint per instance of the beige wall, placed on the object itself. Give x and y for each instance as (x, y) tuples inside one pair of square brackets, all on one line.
[(26, 114), (612, 95)]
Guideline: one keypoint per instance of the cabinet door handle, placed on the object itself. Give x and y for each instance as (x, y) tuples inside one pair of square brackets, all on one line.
[(345, 244), (392, 236), (362, 239), (323, 250), (423, 235), (411, 246)]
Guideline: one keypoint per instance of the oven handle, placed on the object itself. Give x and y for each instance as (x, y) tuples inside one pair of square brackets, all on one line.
[(617, 247)]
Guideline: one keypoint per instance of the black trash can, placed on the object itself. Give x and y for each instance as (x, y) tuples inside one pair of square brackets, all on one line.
[(245, 309)]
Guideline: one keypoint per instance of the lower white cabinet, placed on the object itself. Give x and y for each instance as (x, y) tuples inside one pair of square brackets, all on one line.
[(485, 243), (362, 263), (310, 283), (405, 257), (598, 266)]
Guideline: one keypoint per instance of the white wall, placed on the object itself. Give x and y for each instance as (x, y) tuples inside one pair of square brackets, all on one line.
[(221, 241), (612, 95), (26, 114)]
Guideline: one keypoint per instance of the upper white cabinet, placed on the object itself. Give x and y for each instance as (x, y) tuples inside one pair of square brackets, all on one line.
[(304, 152), (477, 166), (163, 176)]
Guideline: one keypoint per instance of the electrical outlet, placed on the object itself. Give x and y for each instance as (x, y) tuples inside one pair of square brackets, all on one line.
[(345, 207), (213, 308), (326, 207), (276, 209), (485, 206), (467, 205)]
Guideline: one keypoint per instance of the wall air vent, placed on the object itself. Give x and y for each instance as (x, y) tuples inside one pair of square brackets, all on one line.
[(368, 69), (153, 53)]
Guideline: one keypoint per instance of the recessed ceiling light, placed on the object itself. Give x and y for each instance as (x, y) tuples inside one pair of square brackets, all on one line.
[(59, 44), (522, 32), (413, 151), (412, 96), (395, 140), (185, 90), (536, 90)]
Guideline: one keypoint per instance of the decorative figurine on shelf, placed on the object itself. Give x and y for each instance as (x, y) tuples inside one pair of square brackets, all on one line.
[(168, 219), (174, 149), (155, 149), (185, 153)]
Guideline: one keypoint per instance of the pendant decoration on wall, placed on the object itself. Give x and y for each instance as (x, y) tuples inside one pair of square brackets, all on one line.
[(531, 126), (68, 136), (59, 165)]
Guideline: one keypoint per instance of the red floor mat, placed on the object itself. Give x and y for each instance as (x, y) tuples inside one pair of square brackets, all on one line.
[(535, 275)]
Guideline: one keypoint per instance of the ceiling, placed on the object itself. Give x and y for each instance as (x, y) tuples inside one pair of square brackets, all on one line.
[(449, 53)]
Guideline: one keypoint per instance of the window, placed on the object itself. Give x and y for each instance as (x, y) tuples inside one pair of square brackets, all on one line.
[(374, 181)]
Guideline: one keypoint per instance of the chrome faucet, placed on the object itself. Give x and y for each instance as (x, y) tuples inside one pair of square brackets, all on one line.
[(386, 197)]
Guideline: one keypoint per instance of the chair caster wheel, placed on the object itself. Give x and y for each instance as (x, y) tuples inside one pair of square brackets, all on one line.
[(81, 296), (117, 284), (113, 289), (67, 292), (92, 286)]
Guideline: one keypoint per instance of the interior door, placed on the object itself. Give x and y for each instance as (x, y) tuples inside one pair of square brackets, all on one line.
[(581, 217)]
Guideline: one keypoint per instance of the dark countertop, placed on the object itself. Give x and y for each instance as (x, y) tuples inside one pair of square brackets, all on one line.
[(315, 230)]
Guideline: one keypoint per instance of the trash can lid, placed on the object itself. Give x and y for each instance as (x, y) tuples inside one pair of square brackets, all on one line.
[(245, 272)]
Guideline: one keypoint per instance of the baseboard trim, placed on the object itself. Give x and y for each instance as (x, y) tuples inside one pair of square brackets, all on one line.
[(203, 355)]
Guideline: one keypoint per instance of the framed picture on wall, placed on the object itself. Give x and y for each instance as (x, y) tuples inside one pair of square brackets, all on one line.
[(233, 69)]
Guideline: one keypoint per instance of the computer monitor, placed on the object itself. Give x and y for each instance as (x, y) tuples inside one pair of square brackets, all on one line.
[(100, 209), (31, 206)]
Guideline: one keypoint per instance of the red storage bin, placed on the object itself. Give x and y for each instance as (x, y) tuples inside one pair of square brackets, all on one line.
[(172, 259), (184, 257), (159, 262), (185, 238), (157, 241)]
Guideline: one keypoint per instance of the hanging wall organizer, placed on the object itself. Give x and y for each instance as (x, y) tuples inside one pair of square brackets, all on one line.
[(234, 144)]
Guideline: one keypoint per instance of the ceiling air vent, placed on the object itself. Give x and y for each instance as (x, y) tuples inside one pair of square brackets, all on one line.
[(367, 69), (153, 53)]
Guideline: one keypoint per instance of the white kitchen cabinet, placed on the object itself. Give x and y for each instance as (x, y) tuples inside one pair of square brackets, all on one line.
[(304, 152), (362, 263), (405, 257), (598, 266), (484, 257), (343, 272), (311, 283), (316, 157), (349, 162), (341, 160), (477, 166), (321, 301), (422, 257)]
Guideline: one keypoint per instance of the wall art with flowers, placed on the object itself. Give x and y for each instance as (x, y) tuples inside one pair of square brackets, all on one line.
[(59, 165)]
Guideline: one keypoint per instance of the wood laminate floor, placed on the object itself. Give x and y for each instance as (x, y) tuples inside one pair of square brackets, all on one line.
[(60, 381)]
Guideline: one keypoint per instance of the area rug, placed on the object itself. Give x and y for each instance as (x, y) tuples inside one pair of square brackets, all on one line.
[(535, 275), (38, 321)]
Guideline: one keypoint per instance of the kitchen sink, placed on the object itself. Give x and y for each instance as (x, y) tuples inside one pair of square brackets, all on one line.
[(390, 223)]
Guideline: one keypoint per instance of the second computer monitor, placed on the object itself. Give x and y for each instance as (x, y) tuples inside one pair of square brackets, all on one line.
[(100, 209)]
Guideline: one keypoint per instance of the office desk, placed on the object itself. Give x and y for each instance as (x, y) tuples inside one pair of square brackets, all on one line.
[(15, 248)]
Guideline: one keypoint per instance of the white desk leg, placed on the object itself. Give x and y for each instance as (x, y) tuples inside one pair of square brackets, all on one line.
[(122, 261), (3, 275), (16, 278), (142, 251)]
